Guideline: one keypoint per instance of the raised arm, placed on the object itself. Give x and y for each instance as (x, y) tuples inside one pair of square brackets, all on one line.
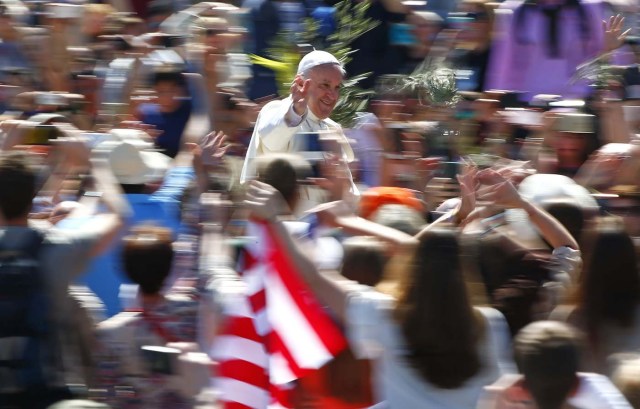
[(499, 191), (331, 288), (339, 214), (110, 223)]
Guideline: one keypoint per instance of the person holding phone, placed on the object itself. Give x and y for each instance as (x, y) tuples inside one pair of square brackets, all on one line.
[(314, 94)]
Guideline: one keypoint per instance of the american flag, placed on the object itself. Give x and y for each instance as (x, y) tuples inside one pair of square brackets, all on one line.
[(276, 331)]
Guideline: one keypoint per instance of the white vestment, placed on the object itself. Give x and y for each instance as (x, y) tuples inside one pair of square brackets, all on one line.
[(274, 133)]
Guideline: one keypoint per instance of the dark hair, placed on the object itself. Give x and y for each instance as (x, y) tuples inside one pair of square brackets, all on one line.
[(569, 214), (134, 188), (363, 260), (609, 289), (17, 185), (283, 171), (528, 6), (159, 8), (435, 315), (174, 76), (147, 257), (547, 353), (513, 277)]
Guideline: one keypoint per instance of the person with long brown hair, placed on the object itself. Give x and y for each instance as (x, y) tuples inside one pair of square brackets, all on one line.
[(608, 296)]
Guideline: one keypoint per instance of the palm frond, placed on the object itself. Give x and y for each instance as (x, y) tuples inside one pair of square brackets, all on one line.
[(434, 83)]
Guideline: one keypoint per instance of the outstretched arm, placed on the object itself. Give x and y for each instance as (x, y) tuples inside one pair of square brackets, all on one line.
[(501, 192), (331, 288), (339, 214)]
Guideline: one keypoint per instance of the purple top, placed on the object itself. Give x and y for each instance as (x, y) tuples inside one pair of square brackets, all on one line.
[(522, 59)]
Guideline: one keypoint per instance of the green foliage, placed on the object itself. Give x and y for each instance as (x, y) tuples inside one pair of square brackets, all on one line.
[(598, 72), (434, 84), (352, 101), (351, 23)]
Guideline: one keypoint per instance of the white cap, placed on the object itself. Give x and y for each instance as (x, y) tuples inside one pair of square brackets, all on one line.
[(132, 166), (315, 58)]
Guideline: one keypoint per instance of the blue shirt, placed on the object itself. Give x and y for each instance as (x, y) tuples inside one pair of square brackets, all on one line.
[(171, 124), (162, 208)]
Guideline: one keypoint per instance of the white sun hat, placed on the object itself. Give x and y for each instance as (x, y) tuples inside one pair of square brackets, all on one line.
[(543, 189), (132, 166), (315, 58), (136, 137)]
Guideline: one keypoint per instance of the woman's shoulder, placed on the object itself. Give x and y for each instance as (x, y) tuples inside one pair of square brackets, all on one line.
[(566, 313), (366, 297), (489, 313), (492, 321)]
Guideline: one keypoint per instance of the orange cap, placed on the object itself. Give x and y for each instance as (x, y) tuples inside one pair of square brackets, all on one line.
[(375, 197)]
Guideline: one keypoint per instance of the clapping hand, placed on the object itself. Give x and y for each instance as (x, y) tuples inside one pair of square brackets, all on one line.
[(498, 190)]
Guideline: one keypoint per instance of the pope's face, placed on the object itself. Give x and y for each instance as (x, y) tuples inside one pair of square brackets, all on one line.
[(324, 89)]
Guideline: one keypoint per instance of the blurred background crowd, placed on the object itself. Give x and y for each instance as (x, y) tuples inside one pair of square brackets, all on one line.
[(480, 248)]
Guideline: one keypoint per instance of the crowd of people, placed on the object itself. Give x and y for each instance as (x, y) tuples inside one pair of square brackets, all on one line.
[(177, 233)]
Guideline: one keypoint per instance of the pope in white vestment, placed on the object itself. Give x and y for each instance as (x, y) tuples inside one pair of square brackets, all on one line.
[(314, 93)]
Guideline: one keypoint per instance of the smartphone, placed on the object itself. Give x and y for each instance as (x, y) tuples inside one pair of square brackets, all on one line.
[(460, 21), (448, 170), (511, 99), (522, 117), (482, 160), (397, 131), (64, 10), (401, 34), (170, 41), (51, 98), (41, 135), (310, 148), (160, 360)]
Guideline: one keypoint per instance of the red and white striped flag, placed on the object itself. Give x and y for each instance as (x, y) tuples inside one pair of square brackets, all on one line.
[(276, 331)]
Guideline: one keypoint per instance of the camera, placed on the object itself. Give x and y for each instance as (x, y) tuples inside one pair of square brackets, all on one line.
[(41, 135), (160, 360), (310, 148)]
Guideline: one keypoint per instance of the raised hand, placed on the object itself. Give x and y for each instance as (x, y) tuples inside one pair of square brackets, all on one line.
[(209, 153), (299, 93), (263, 201), (75, 150), (468, 183), (613, 35), (498, 190), (214, 147)]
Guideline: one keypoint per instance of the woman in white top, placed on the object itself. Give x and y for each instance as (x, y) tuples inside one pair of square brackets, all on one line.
[(432, 348)]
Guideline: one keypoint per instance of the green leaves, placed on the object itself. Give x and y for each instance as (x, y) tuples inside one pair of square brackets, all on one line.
[(598, 72), (434, 84)]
